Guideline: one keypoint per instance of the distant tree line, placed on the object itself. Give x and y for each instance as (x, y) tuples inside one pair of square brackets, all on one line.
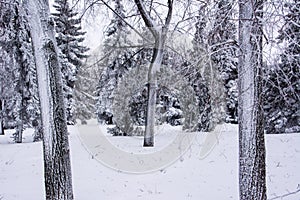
[(90, 90)]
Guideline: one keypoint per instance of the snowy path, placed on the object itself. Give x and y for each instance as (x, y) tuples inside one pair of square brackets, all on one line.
[(128, 160), (190, 177)]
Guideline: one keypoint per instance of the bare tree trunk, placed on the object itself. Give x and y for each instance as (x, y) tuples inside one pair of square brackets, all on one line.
[(152, 85), (57, 166), (252, 173), (160, 37), (20, 118), (20, 104), (1, 118)]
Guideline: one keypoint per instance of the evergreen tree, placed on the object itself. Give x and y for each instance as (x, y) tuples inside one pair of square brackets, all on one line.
[(115, 65), (199, 59), (199, 54), (22, 106), (212, 111), (282, 107), (69, 40), (85, 93), (7, 63), (222, 39), (29, 103)]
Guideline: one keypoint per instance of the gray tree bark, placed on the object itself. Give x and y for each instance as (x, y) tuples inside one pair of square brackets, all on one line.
[(20, 104), (21, 107), (1, 119), (57, 166), (152, 85), (160, 37), (252, 172)]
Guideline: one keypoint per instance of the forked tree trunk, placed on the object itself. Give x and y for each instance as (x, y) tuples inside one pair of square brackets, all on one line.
[(57, 166), (160, 37), (252, 171)]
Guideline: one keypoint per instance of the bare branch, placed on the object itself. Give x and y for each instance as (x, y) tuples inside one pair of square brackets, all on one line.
[(89, 6), (158, 15), (169, 16), (146, 17), (183, 16), (130, 26), (285, 195), (129, 46)]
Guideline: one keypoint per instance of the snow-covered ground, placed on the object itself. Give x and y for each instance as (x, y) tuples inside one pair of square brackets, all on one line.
[(192, 176)]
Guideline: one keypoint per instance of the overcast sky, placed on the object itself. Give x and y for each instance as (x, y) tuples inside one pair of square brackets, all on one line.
[(93, 25)]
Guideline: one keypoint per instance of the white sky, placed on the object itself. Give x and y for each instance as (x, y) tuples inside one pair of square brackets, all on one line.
[(95, 25), (94, 28)]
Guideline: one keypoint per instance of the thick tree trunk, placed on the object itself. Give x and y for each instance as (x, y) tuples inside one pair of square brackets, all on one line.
[(1, 118), (252, 173), (57, 166)]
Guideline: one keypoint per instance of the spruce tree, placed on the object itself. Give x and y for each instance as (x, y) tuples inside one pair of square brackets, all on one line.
[(7, 67), (199, 54), (85, 93), (199, 60), (212, 109), (115, 65), (282, 103), (69, 38), (222, 39), (28, 76), (21, 104)]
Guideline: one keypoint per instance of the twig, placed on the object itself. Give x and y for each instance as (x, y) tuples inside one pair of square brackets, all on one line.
[(285, 195)]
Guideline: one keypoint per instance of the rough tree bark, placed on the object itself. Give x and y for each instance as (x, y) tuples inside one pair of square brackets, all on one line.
[(252, 174), (57, 166), (21, 107), (160, 36), (1, 119), (20, 104)]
